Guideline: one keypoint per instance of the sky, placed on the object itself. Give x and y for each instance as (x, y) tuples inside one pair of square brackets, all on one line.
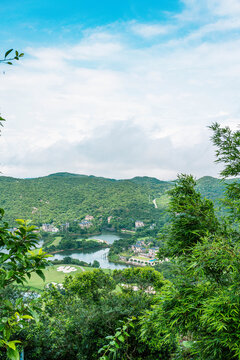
[(117, 88)]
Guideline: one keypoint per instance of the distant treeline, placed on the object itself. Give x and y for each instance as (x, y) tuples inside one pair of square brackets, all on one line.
[(63, 197)]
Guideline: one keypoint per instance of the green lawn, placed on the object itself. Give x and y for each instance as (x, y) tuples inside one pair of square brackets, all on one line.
[(52, 275), (88, 240), (56, 240), (126, 253), (128, 231), (140, 258)]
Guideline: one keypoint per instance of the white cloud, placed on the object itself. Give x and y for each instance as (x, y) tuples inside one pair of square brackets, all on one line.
[(224, 8), (109, 106), (150, 30)]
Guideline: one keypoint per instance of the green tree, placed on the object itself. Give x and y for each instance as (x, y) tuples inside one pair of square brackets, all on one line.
[(90, 285), (17, 263), (146, 279), (228, 149), (200, 310), (227, 143), (74, 324), (192, 217)]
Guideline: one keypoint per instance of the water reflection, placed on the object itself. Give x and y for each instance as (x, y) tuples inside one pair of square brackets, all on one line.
[(90, 256), (108, 236), (100, 256)]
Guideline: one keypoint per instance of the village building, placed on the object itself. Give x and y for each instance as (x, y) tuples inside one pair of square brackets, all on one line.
[(109, 219), (138, 249), (89, 217), (139, 224), (141, 249), (143, 262), (153, 251), (85, 224), (49, 228), (65, 226), (140, 242)]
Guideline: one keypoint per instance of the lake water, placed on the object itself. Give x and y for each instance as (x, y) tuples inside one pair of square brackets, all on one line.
[(108, 236), (100, 255), (89, 257)]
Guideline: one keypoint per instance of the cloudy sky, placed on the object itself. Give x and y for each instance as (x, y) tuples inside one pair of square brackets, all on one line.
[(117, 88)]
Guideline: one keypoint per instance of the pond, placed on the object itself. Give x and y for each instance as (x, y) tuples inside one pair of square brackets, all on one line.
[(89, 257), (100, 255), (108, 236)]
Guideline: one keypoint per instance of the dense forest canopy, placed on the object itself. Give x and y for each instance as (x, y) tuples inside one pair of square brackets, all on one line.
[(65, 197)]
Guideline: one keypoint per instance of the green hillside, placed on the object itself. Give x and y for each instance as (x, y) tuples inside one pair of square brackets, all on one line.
[(65, 197)]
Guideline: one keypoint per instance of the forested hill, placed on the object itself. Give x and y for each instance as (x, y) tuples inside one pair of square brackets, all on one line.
[(65, 197)]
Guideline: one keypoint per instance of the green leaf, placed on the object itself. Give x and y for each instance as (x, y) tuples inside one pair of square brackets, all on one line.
[(6, 333), (8, 52), (41, 274), (8, 304), (187, 344), (13, 354), (4, 257), (35, 315), (20, 221), (121, 338), (12, 345), (27, 317)]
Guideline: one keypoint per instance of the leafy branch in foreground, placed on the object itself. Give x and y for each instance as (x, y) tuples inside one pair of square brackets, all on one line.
[(200, 310), (192, 217), (8, 59), (117, 342), (17, 262), (228, 149), (227, 142)]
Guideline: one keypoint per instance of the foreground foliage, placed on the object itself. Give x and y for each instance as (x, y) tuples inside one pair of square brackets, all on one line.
[(17, 263), (200, 309), (75, 321)]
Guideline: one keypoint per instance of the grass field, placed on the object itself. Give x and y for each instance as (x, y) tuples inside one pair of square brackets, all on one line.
[(56, 240), (140, 258), (126, 253), (88, 240), (52, 275)]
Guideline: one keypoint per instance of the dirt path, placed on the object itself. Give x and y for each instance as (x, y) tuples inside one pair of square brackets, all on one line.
[(155, 204)]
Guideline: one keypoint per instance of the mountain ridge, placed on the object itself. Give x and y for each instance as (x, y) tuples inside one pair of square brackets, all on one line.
[(62, 197)]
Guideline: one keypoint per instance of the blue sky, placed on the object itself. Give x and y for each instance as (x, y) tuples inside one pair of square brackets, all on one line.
[(117, 89), (28, 21)]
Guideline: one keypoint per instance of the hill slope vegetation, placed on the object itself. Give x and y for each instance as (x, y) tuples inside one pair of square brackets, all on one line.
[(63, 197)]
